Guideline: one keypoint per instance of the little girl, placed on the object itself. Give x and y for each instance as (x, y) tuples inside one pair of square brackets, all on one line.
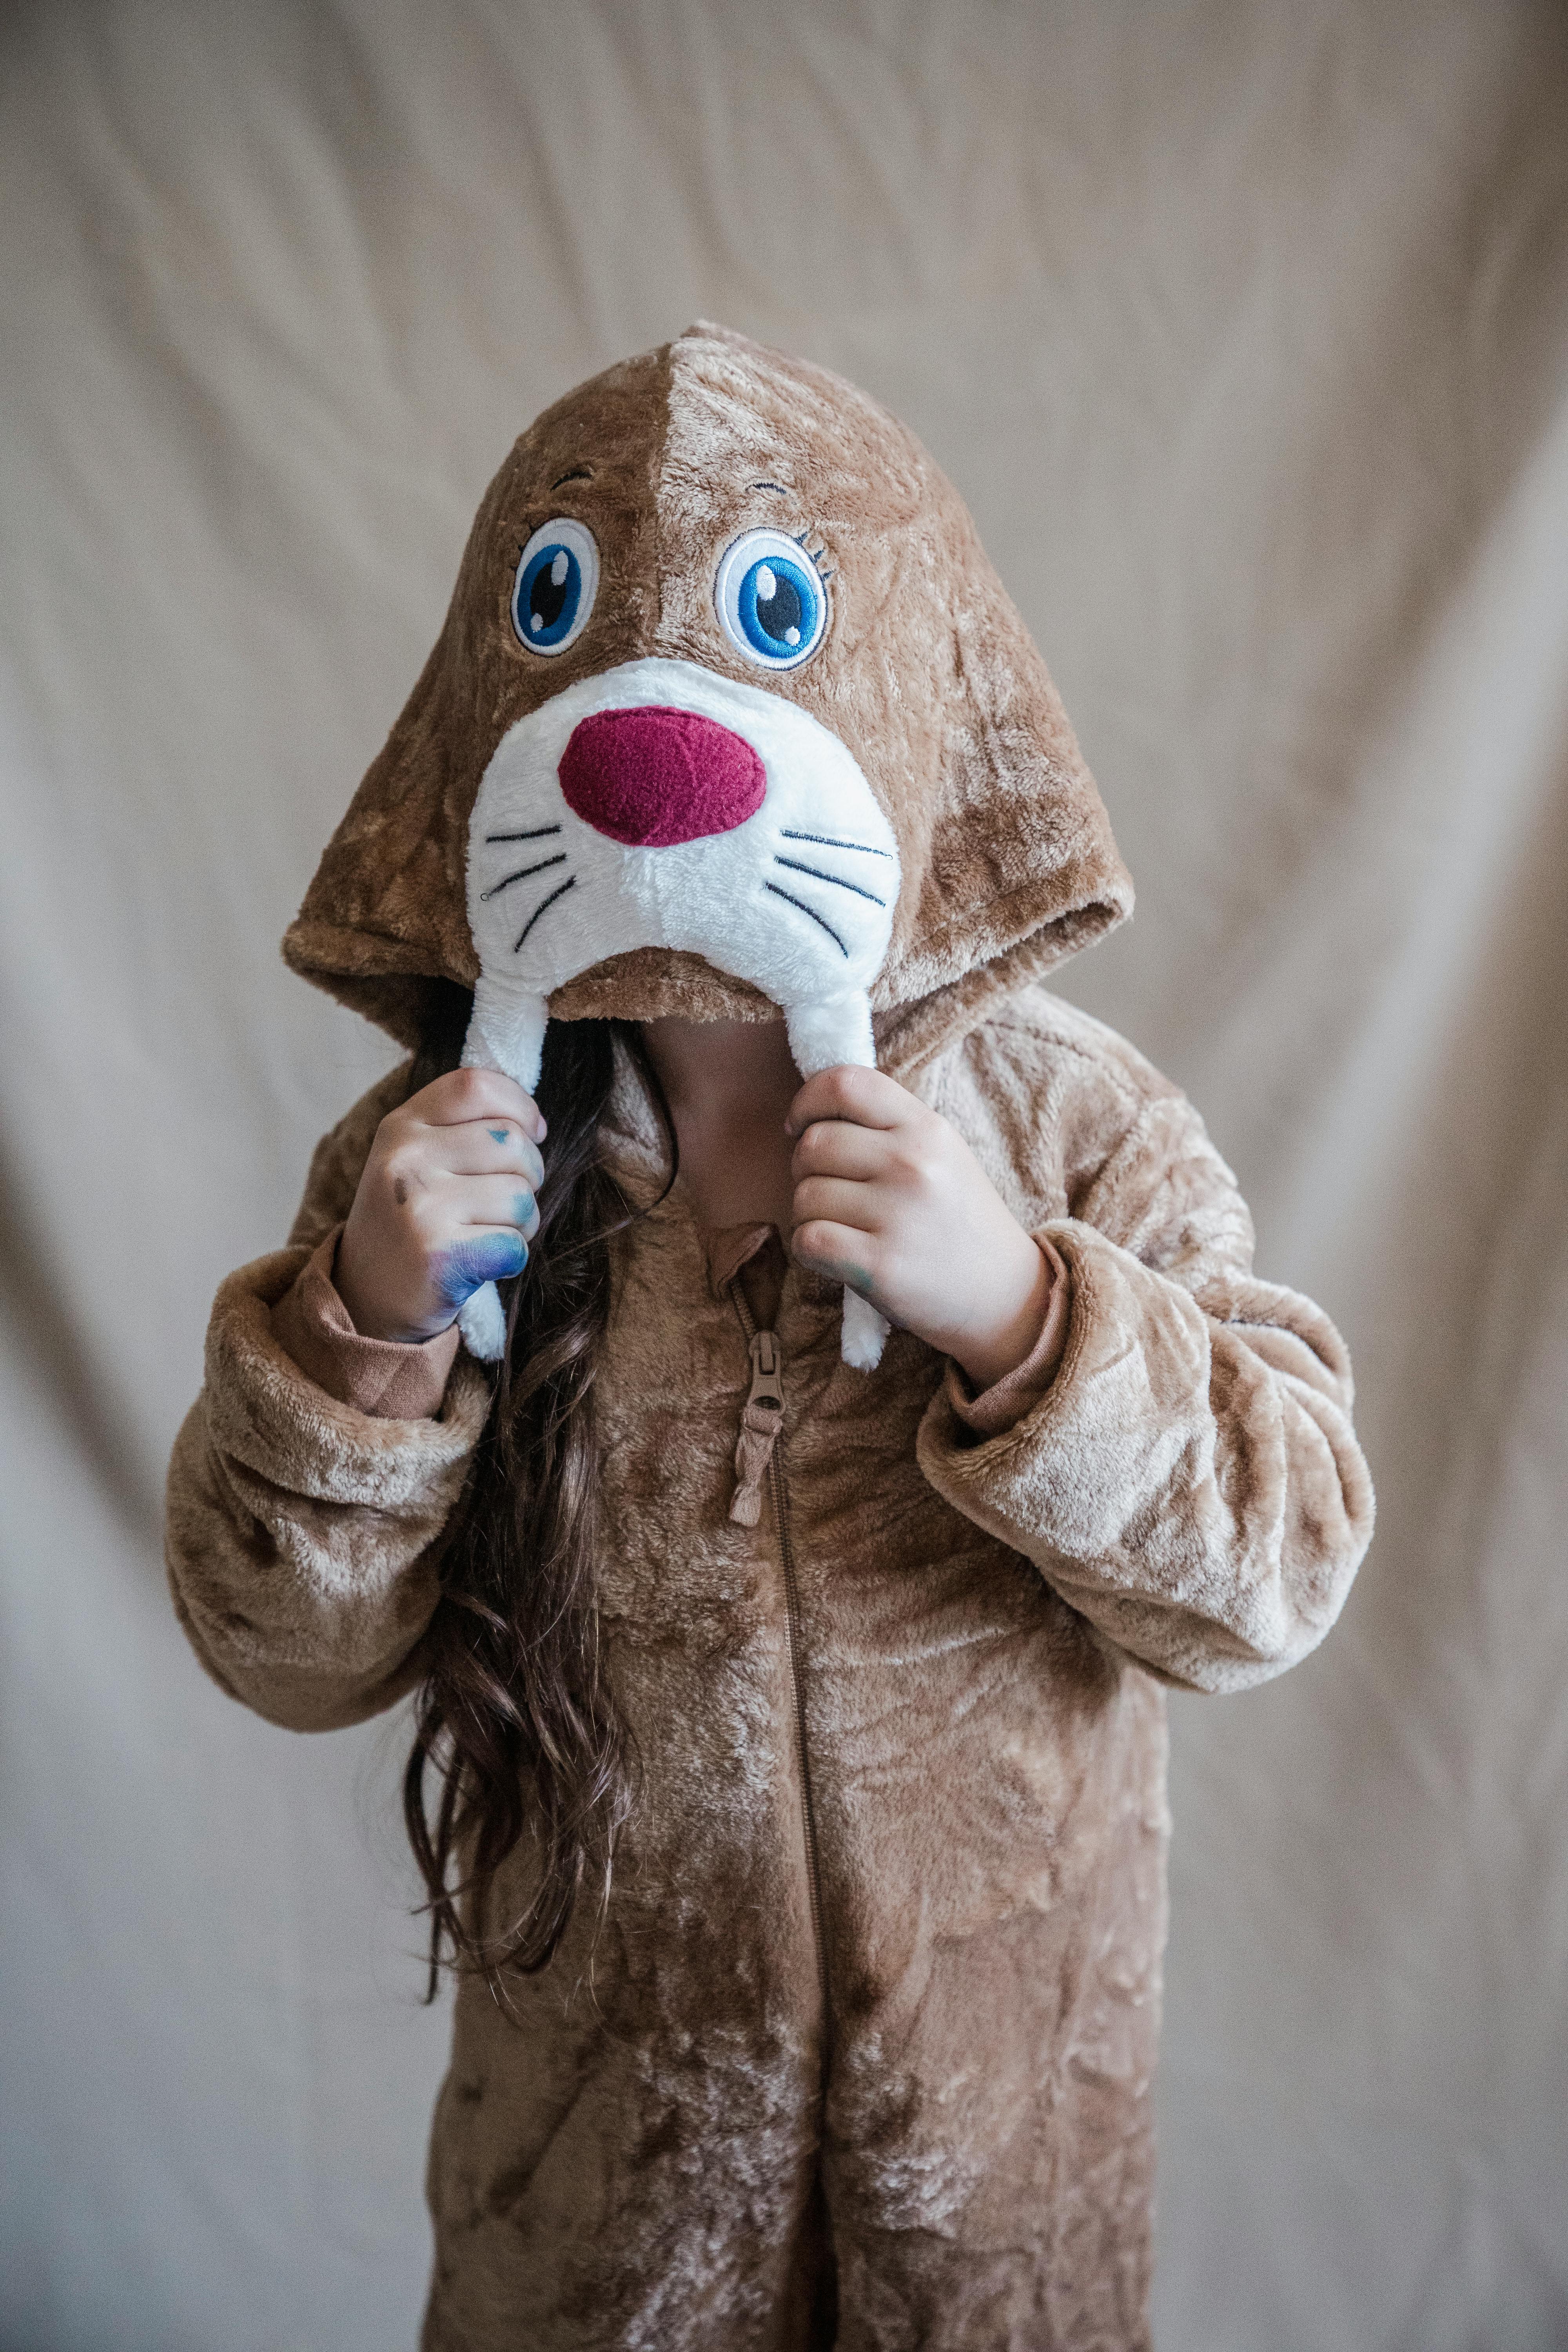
[(788, 1776)]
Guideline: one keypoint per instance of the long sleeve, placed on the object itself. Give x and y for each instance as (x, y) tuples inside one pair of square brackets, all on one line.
[(301, 1530), (1189, 1481)]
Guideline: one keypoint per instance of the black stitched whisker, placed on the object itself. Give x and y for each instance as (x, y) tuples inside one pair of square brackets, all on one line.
[(824, 841), (837, 881), (522, 876), (816, 918), (534, 832), (559, 892)]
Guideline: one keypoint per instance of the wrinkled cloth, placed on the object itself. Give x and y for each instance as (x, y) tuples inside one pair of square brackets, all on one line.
[(989, 1412), (389, 1380), (874, 2010)]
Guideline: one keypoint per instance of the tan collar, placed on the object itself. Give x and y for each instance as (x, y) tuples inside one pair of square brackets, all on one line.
[(729, 1248)]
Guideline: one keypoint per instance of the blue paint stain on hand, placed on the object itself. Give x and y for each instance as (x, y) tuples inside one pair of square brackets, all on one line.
[(498, 1134), (466, 1267), (525, 1211)]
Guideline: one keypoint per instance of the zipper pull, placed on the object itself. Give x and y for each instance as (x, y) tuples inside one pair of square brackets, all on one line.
[(760, 1424)]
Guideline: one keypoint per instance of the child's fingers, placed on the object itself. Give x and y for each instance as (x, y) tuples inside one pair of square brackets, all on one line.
[(836, 1200), (832, 1147), (490, 1147), (492, 1201), (868, 1097), (479, 1253), (464, 1095), (840, 1251)]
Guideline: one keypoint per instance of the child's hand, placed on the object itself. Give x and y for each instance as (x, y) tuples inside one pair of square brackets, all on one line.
[(446, 1202), (890, 1199)]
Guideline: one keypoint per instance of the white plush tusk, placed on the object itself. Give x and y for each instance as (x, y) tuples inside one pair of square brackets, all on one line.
[(481, 1319), (506, 1033), (864, 1331), (823, 1036)]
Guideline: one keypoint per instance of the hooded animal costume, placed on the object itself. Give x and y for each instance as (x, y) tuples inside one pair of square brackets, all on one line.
[(731, 713)]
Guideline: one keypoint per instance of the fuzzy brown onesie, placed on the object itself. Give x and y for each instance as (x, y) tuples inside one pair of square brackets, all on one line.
[(870, 2027)]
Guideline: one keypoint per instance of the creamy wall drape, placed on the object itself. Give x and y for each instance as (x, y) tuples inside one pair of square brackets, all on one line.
[(1245, 330)]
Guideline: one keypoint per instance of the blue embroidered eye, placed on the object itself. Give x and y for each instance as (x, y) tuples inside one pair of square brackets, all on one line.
[(771, 599), (557, 580)]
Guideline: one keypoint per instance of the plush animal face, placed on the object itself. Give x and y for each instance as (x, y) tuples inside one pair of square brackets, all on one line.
[(659, 806), (726, 658)]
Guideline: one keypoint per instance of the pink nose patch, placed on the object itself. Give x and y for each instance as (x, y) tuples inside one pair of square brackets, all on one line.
[(653, 777)]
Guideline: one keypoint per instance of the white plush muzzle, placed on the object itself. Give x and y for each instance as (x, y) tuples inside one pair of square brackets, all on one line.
[(797, 899)]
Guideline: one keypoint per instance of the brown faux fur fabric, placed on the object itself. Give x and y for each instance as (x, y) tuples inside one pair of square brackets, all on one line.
[(630, 2160), (896, 2027)]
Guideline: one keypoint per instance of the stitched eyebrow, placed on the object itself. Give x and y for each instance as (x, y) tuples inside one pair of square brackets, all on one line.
[(772, 486), (577, 474)]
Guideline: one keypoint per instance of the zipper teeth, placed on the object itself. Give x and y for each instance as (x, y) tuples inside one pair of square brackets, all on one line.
[(791, 1628), (791, 1615)]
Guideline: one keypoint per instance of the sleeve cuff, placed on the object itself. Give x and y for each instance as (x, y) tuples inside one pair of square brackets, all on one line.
[(386, 1380), (1006, 1401)]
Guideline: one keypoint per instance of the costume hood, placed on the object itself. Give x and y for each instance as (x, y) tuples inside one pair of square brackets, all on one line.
[(730, 712)]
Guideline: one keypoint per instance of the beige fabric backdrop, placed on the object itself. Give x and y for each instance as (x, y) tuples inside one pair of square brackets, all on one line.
[(1245, 330)]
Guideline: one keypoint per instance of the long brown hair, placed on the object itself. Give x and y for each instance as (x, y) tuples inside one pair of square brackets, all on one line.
[(515, 1720)]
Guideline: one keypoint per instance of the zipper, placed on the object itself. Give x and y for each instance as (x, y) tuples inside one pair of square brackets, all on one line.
[(762, 1419), (765, 1414)]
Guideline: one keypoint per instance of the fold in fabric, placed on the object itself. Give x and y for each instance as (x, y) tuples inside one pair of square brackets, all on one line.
[(390, 1380)]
